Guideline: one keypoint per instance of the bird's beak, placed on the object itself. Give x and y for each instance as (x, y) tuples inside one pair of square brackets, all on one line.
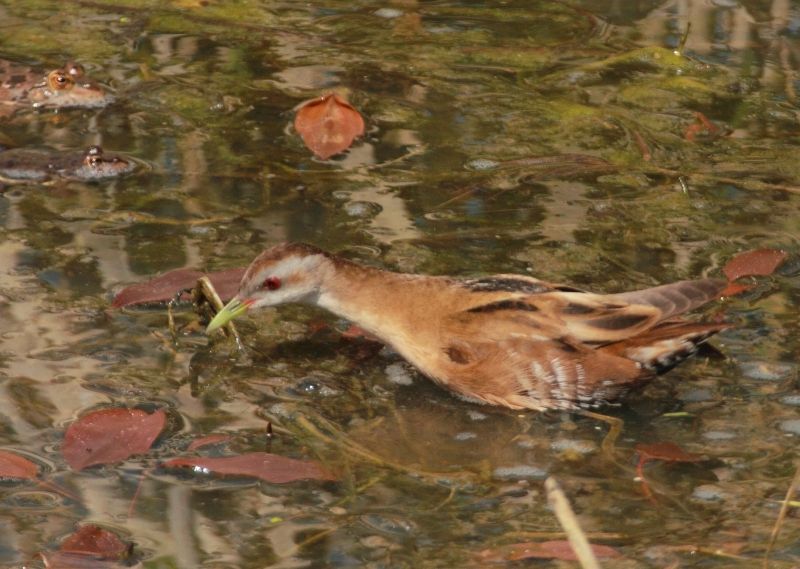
[(233, 309)]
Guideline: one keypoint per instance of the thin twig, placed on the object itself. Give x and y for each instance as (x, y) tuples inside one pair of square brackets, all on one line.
[(566, 517), (744, 183), (340, 439), (205, 290), (782, 515)]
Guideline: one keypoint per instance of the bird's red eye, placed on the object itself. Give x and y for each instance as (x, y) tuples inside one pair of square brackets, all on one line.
[(272, 283)]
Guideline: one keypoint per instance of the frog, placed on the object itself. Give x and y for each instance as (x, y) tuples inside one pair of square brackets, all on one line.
[(34, 165), (22, 86)]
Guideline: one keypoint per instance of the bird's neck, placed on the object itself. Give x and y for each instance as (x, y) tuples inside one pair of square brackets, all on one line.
[(386, 304)]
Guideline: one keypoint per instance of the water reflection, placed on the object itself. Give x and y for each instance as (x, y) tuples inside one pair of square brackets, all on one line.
[(206, 93)]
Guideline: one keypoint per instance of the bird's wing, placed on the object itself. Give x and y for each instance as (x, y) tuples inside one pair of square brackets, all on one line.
[(540, 374), (553, 313)]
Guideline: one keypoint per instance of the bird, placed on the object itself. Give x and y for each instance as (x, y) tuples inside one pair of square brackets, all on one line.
[(508, 340)]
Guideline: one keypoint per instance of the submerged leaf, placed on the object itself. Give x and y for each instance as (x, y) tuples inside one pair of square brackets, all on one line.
[(16, 467), (111, 435), (328, 125), (164, 287), (760, 262), (734, 288), (556, 549), (266, 466), (208, 440), (669, 452)]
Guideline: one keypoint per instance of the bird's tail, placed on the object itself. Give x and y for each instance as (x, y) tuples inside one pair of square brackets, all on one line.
[(665, 346)]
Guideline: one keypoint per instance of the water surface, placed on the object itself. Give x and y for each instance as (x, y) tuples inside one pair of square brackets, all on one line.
[(700, 132)]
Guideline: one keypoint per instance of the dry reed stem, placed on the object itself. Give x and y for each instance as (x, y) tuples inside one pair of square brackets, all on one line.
[(566, 517)]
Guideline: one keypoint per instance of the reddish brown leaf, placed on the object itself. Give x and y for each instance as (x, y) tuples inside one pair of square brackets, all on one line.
[(93, 540), (110, 435), (268, 467), (557, 549), (207, 440), (702, 125), (761, 262), (164, 288), (14, 466), (160, 289), (735, 288), (328, 125), (669, 452)]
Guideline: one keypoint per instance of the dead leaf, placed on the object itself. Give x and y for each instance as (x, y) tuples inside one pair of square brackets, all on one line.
[(702, 128), (266, 466), (669, 452), (111, 435), (164, 288), (16, 467), (760, 262), (208, 440), (95, 541), (328, 125), (556, 549), (735, 288)]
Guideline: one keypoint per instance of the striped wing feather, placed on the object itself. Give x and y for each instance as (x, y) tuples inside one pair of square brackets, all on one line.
[(566, 349)]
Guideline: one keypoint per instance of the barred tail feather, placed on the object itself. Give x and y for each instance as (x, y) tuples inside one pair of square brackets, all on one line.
[(665, 346)]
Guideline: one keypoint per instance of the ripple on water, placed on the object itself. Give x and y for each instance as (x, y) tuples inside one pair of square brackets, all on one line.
[(362, 209), (519, 472), (719, 435), (398, 374), (580, 446), (465, 436), (766, 371), (791, 400), (791, 426), (391, 525), (709, 493)]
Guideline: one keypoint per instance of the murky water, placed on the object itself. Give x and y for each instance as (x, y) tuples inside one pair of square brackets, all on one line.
[(459, 98)]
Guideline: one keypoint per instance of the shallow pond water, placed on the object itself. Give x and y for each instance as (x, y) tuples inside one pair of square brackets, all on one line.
[(668, 152)]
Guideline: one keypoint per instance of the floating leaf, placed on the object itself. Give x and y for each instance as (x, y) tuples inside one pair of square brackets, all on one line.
[(93, 540), (164, 288), (111, 435), (208, 440), (556, 549), (16, 467), (328, 125), (266, 466), (761, 262)]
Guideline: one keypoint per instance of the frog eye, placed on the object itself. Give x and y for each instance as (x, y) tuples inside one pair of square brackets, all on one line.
[(271, 283), (58, 80)]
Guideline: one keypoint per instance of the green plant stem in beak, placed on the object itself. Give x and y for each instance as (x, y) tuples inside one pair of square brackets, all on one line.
[(233, 309)]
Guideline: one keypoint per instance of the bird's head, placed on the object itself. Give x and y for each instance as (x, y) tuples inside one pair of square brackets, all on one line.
[(291, 272)]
